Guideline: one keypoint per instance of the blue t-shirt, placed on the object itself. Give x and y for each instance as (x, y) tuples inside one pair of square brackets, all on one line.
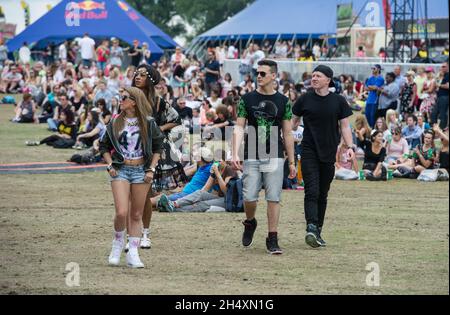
[(214, 66), (199, 180), (377, 81)]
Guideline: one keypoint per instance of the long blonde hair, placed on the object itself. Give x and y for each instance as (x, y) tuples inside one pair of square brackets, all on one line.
[(143, 110), (361, 122)]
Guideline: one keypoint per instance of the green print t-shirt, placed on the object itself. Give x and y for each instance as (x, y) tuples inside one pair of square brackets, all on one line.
[(265, 115)]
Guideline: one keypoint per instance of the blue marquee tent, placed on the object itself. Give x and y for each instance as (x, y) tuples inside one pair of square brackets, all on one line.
[(305, 18), (102, 19)]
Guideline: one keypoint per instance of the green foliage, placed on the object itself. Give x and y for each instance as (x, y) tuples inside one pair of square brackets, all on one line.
[(160, 12), (201, 14)]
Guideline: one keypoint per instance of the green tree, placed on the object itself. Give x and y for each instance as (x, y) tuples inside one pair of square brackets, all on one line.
[(160, 12), (205, 14)]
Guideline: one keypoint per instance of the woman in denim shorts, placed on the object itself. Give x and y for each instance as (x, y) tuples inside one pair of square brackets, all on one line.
[(131, 147)]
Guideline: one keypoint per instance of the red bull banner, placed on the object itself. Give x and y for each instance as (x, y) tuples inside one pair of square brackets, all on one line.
[(87, 10)]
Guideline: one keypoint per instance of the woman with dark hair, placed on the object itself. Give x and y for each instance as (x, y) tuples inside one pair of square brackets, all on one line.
[(442, 156), (67, 132), (374, 156), (105, 114), (95, 129), (146, 78), (424, 154)]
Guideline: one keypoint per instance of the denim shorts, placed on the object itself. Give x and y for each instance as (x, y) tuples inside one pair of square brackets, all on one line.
[(258, 173), (131, 174)]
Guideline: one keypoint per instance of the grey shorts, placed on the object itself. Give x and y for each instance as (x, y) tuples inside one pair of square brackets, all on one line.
[(268, 173), (130, 174)]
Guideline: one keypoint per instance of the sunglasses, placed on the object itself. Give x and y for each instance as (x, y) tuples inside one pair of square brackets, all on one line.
[(261, 73), (125, 97), (141, 73)]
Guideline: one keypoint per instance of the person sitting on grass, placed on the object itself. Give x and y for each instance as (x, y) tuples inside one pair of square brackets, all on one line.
[(346, 168), (203, 200), (381, 126), (412, 132), (398, 150), (197, 182), (424, 155), (95, 129), (105, 114), (362, 132), (67, 131), (221, 122), (64, 103), (26, 111), (392, 120), (11, 81), (443, 156), (374, 155)]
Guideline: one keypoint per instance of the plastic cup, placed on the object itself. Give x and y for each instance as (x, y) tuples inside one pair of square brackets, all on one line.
[(362, 175), (390, 174)]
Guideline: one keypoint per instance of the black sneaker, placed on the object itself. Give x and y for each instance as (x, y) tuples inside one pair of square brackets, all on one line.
[(312, 235), (272, 246), (320, 240), (247, 237)]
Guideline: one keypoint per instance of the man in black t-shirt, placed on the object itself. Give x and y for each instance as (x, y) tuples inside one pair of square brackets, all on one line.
[(268, 114), (324, 115), (184, 112), (441, 108), (135, 54)]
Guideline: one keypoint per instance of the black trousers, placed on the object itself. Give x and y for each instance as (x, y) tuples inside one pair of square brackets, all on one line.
[(440, 111), (317, 177), (50, 140)]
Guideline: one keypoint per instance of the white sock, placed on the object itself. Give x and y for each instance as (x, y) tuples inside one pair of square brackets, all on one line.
[(146, 231), (119, 236), (135, 242)]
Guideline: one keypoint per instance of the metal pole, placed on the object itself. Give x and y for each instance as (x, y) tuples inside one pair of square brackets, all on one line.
[(426, 30), (351, 26)]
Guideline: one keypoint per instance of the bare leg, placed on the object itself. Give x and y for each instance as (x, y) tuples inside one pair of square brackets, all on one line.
[(147, 216), (138, 196), (121, 193), (250, 209)]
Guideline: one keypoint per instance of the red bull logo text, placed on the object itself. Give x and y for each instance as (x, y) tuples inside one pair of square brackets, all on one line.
[(87, 10)]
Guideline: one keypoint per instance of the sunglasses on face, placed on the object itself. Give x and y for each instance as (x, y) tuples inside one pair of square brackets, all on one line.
[(262, 74), (141, 73), (125, 97)]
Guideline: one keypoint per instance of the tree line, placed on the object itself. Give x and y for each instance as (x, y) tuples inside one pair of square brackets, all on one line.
[(202, 15)]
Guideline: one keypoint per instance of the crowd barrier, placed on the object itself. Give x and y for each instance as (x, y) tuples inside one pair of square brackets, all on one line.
[(360, 70)]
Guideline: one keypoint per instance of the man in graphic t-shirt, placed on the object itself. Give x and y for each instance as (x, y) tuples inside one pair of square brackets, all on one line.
[(268, 114)]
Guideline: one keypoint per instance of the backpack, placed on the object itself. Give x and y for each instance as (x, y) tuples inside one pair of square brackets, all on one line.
[(8, 100), (234, 198)]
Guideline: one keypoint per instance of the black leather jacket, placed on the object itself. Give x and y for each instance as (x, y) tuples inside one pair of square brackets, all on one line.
[(109, 144)]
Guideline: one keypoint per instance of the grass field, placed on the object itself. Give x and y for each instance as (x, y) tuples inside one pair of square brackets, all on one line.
[(48, 221)]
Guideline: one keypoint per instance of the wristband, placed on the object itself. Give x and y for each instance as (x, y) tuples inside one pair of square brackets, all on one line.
[(109, 167)]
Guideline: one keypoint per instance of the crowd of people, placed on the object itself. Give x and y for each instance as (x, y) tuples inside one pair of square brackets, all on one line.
[(86, 87), (77, 92)]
